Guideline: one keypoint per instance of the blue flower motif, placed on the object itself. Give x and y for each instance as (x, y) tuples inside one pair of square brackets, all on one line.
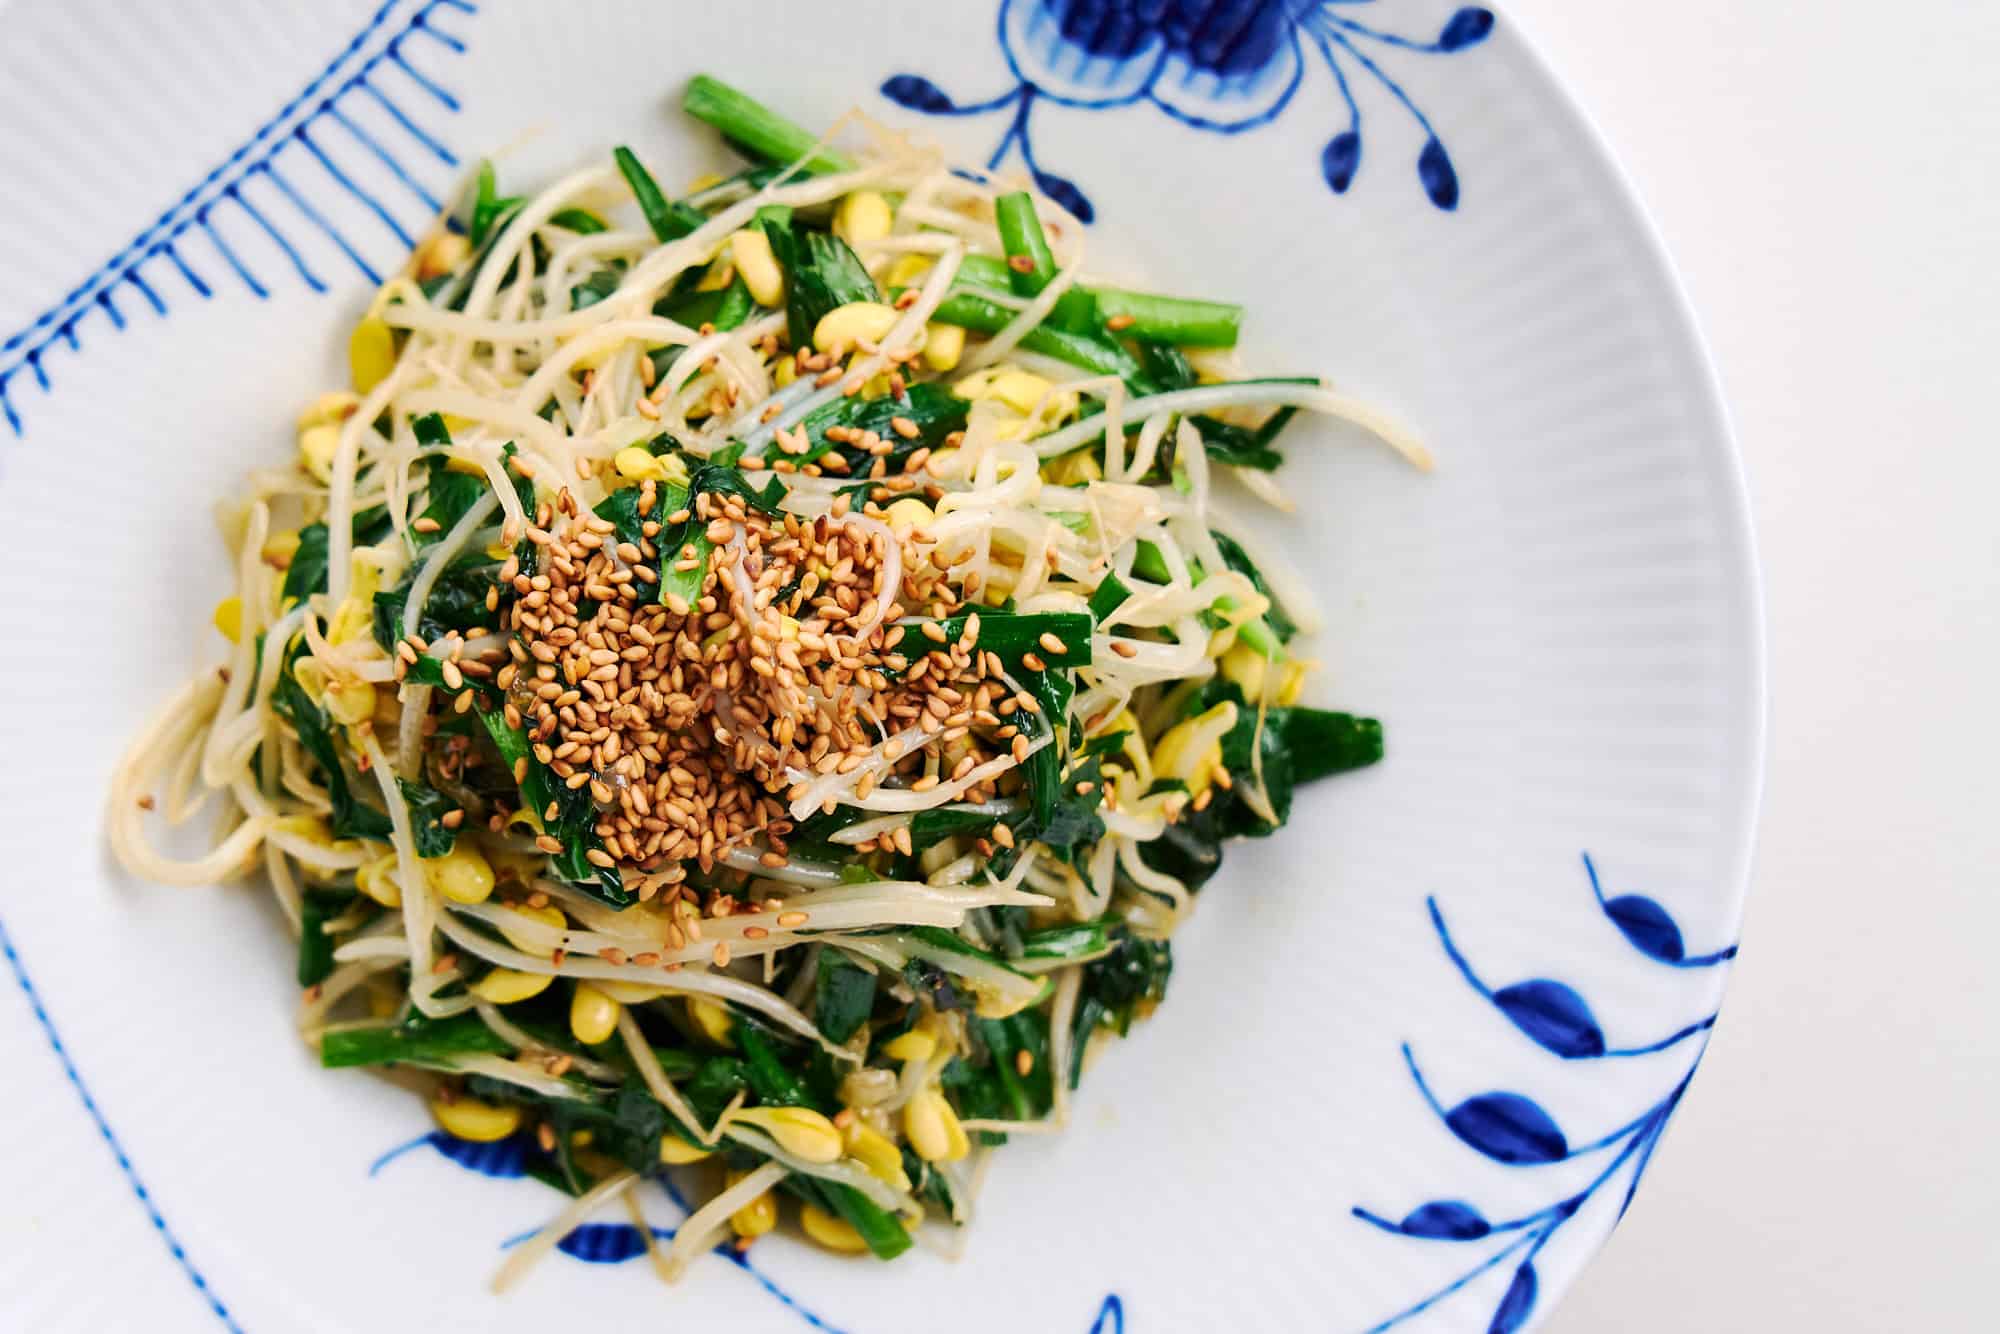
[(1508, 1128), (1221, 66)]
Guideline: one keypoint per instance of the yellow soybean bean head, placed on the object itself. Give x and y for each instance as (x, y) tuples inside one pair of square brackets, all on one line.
[(441, 254), (755, 1218), (800, 1131), (334, 407), (371, 353), (462, 875), (480, 1122), (548, 915), (905, 271), (317, 446), (712, 1018), (863, 216), (915, 1045), (677, 1152), (932, 1128), (229, 619), (593, 1016), (907, 515), (944, 344), (844, 326), (876, 1152), (377, 880), (350, 702), (505, 986), (750, 250), (636, 463), (831, 1230)]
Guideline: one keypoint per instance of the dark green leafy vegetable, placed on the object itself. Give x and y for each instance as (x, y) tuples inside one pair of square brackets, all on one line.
[(574, 825), (771, 1079), (1298, 745), (434, 1043), (579, 220), (1234, 556), (488, 207), (933, 409), (669, 221), (1108, 596), (843, 995), (1135, 972), (1070, 942), (600, 284), (448, 495), (457, 602), (881, 1229), (350, 818), (1027, 1097), (428, 807), (1168, 365), (821, 274), (306, 574), (317, 907)]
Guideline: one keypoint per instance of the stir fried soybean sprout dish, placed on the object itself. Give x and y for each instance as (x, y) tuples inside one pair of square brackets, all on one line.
[(745, 685)]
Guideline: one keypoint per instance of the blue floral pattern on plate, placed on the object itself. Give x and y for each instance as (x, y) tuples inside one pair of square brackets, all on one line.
[(1506, 1127), (1222, 66)]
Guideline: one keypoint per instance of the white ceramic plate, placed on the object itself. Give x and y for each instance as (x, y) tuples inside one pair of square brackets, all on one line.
[(1336, 1122)]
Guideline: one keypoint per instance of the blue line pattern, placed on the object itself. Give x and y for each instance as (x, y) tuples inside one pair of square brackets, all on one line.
[(304, 124), (1509, 1128), (145, 1197), (1218, 66)]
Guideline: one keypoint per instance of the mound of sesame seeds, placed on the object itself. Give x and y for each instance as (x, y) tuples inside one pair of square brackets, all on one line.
[(694, 723)]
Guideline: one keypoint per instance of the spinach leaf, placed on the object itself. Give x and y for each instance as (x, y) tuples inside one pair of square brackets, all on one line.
[(317, 907), (416, 1040), (350, 817), (1168, 365), (933, 409), (669, 221), (306, 574), (771, 1079), (843, 996), (576, 815), (1234, 556), (599, 285), (821, 274), (722, 309), (882, 1230), (457, 602), (428, 807), (449, 494)]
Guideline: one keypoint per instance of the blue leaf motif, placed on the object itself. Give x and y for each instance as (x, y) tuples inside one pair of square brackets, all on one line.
[(1518, 1304), (1340, 159), (603, 1243), (1434, 169), (1066, 194), (1508, 1128), (1648, 926), (1446, 1220), (918, 94), (503, 1158), (1468, 27), (1554, 1016)]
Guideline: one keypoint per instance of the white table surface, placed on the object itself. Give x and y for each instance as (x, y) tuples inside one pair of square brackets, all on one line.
[(1824, 174)]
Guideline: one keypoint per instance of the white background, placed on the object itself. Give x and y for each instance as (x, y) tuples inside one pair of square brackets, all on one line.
[(1825, 177)]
